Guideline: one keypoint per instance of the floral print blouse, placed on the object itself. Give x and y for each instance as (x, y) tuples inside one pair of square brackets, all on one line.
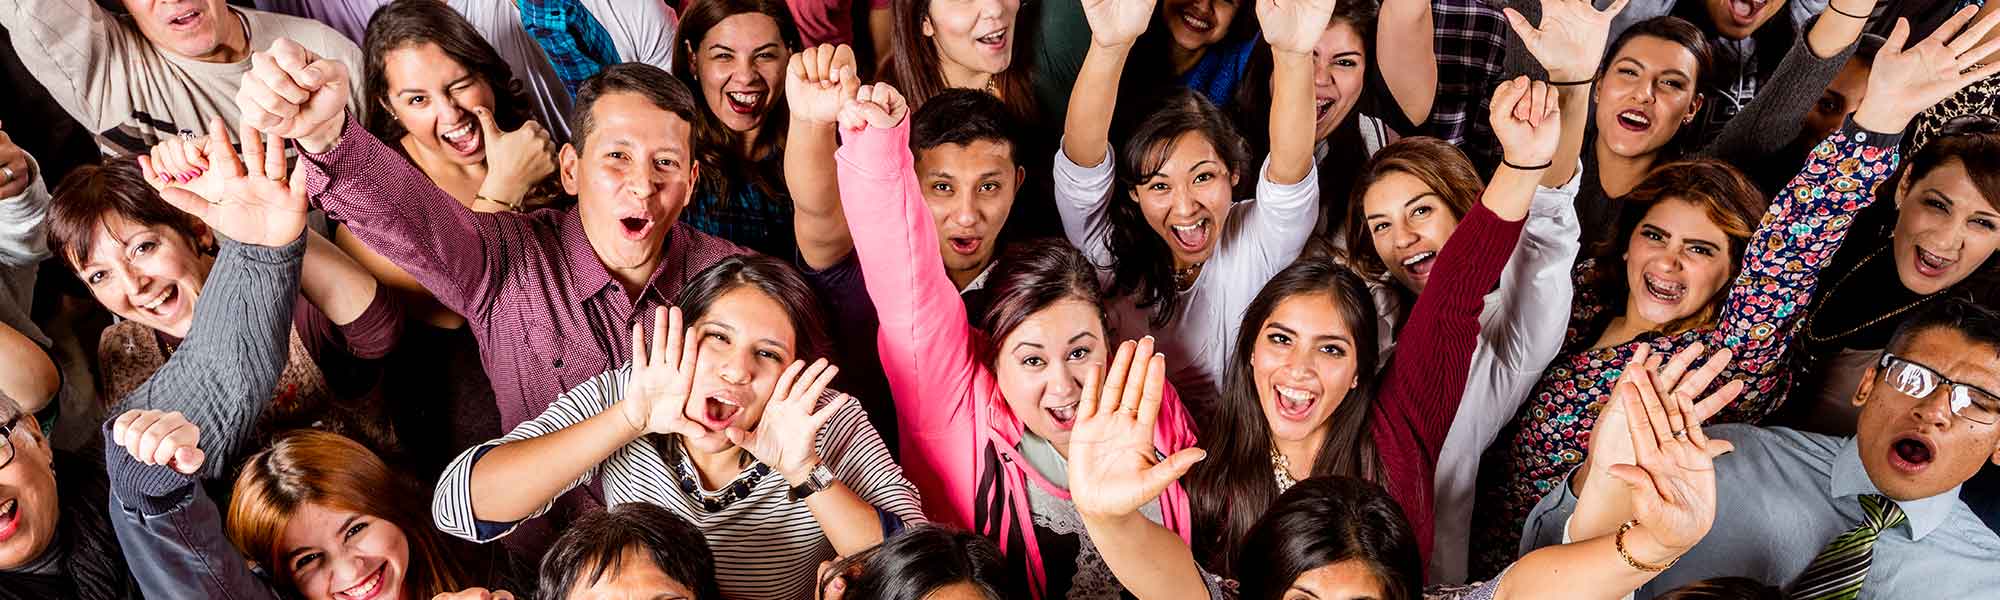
[(1801, 230)]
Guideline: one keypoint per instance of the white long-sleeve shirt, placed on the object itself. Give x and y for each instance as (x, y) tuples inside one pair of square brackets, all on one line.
[(1262, 235)]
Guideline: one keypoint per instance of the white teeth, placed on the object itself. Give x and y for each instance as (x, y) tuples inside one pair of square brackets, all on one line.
[(457, 134), (1294, 394), (746, 97), (1418, 257), (7, 509), (1191, 227), (157, 301), (724, 400), (993, 38), (366, 587), (1665, 290)]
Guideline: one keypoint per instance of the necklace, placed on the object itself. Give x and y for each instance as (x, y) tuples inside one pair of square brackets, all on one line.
[(1812, 322), (1281, 470), (1184, 277)]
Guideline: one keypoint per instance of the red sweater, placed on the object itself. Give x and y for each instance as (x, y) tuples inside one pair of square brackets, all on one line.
[(1419, 396)]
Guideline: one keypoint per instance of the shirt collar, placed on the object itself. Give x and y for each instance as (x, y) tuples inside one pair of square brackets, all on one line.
[(587, 275), (979, 281), (1850, 480)]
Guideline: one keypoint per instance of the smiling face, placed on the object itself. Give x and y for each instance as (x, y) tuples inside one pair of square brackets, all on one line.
[(1737, 19), (1408, 223), (970, 189), (1197, 24), (1303, 365), (739, 63), (1646, 95), (1345, 580), (148, 274), (28, 509), (1043, 363), (334, 554), (746, 342), (1915, 448), (202, 30), (972, 36), (631, 178), (1676, 263), (636, 576), (432, 96), (1340, 66), (1186, 201), (1945, 230)]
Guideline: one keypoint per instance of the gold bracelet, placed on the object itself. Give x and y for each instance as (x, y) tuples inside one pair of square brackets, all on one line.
[(1633, 562), (515, 207)]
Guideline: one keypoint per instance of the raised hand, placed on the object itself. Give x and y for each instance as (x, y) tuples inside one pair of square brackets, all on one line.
[(1116, 23), (296, 95), (819, 81), (1672, 483), (1909, 80), (789, 428), (1570, 41), (876, 105), (1606, 503), (656, 398), (15, 171), (515, 160), (182, 163), (1112, 470), (1294, 25), (246, 198), (160, 438), (1527, 118)]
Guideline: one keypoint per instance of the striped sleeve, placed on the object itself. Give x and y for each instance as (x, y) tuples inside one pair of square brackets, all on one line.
[(854, 451), (451, 507)]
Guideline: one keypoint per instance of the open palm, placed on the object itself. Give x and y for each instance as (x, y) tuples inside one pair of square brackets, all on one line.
[(244, 198), (1570, 40), (656, 397), (787, 434), (1117, 22), (1294, 25), (1672, 486), (1112, 469)]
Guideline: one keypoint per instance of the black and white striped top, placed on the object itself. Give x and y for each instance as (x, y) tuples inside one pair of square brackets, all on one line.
[(766, 546)]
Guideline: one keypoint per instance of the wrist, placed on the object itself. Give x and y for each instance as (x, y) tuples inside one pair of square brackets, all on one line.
[(1881, 120), (1642, 543), (1121, 46), (1524, 163), (798, 474)]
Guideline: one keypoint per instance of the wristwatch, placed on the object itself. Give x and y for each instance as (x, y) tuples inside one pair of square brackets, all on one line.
[(819, 479)]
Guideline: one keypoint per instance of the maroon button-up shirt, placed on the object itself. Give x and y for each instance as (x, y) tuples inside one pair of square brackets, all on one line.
[(547, 314)]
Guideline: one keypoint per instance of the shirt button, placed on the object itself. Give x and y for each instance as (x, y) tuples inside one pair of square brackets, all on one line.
[(558, 363), (1861, 137)]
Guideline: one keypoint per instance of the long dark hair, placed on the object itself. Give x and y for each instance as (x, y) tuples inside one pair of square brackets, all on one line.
[(914, 67), (1251, 105), (406, 23), (1326, 520), (923, 560), (1142, 264), (1029, 277), (715, 144), (771, 277), (1230, 490), (1725, 196), (1681, 33)]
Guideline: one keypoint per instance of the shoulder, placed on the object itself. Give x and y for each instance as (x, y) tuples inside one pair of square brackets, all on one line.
[(700, 248), (313, 35)]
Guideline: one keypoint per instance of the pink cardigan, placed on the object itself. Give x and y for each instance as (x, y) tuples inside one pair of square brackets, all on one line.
[(953, 423)]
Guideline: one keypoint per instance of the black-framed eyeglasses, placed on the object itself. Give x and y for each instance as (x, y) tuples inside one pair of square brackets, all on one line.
[(7, 441), (1918, 381)]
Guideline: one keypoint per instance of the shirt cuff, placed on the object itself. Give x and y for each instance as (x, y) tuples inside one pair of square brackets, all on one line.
[(152, 489)]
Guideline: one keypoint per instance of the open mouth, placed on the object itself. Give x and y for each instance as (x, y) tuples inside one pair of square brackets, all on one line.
[(1324, 106), (635, 228), (186, 20), (1293, 403), (1744, 11), (1911, 453), (718, 411), (464, 139), (164, 305), (1665, 291), (1419, 265), (965, 244), (1192, 237), (1932, 265), (744, 103), (1198, 23), (1635, 121), (367, 589), (995, 41), (1064, 416), (10, 518)]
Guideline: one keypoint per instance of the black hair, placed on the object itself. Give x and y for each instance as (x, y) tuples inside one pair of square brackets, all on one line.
[(961, 117), (1229, 491), (594, 545), (406, 23), (1346, 150), (716, 145), (1326, 520), (1689, 37), (1031, 276), (774, 278), (1957, 312), (918, 562), (1142, 264), (655, 84)]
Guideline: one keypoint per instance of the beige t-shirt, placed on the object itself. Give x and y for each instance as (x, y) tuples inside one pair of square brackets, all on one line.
[(133, 94)]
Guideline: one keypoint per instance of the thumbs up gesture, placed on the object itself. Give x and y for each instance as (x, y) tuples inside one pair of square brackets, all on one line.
[(515, 160), (294, 94)]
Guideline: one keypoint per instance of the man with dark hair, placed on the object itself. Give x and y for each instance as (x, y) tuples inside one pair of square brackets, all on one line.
[(636, 550), (1876, 515)]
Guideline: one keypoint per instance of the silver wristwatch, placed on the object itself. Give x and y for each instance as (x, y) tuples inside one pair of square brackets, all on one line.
[(819, 479)]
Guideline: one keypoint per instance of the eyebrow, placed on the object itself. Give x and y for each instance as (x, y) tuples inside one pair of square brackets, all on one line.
[(1335, 337), (1073, 339), (1304, 591), (1406, 204), (1347, 53), (1642, 65), (448, 85), (720, 46)]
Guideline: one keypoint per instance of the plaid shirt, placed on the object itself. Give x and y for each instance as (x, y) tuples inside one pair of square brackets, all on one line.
[(745, 217), (576, 44), (1471, 45)]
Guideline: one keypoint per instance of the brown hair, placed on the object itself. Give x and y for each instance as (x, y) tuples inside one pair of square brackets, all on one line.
[(92, 193), (715, 144), (316, 467), (1030, 277), (1438, 164), (406, 23), (1725, 196), (914, 67)]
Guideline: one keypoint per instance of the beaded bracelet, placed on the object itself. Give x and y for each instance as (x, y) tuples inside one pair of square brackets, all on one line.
[(1633, 562)]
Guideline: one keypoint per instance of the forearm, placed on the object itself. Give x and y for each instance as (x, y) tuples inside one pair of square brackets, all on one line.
[(1405, 51), (1575, 102), (1087, 128), (1587, 569), (1149, 560), (1511, 190), (23, 223), (64, 44), (850, 523), (1291, 117), (515, 479), (336, 284), (1602, 502), (814, 184), (1835, 29)]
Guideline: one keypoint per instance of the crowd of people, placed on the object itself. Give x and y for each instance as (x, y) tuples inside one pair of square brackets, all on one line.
[(909, 299)]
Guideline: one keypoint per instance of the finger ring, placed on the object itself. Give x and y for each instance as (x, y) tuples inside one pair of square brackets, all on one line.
[(186, 134), (6, 174), (1680, 434), (1974, 67)]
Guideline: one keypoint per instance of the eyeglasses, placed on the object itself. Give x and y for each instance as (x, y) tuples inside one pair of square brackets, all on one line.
[(1918, 381), (7, 442)]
